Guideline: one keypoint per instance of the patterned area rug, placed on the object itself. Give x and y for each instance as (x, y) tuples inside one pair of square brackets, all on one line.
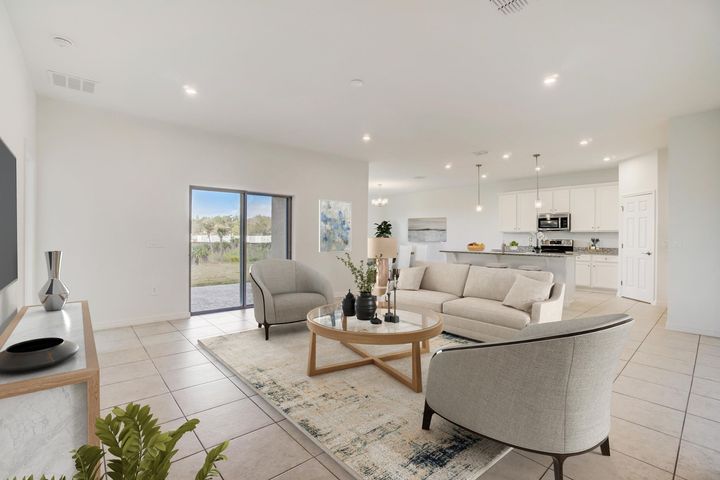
[(361, 416)]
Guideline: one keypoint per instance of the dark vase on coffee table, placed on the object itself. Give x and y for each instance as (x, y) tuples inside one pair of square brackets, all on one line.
[(365, 306), (348, 305)]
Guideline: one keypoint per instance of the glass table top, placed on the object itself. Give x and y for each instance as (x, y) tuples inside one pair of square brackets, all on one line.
[(331, 316)]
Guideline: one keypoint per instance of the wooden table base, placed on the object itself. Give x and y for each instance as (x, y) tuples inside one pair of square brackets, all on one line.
[(414, 382)]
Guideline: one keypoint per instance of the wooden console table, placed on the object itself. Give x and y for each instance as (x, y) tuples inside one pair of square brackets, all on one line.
[(44, 414)]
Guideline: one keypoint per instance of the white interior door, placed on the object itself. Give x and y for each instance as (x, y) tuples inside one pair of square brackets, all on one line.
[(637, 247)]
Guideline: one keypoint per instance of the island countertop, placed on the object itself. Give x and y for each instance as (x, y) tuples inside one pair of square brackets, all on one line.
[(507, 252)]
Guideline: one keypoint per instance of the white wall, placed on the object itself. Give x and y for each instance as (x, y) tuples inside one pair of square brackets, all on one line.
[(17, 130), (465, 225), (109, 183), (694, 223)]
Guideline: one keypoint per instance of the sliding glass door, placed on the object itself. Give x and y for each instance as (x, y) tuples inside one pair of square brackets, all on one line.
[(229, 231)]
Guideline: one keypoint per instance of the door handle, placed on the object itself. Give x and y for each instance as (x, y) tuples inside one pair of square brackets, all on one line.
[(647, 253)]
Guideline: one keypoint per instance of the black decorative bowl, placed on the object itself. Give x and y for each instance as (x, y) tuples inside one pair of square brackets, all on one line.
[(36, 354)]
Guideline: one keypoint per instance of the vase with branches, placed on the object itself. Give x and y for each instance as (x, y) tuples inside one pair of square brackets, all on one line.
[(364, 275)]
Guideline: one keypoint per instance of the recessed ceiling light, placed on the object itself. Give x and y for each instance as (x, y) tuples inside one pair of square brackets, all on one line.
[(537, 169), (506, 155), (607, 159), (585, 142), (484, 175), (551, 79), (190, 90), (357, 82), (366, 138), (448, 166), (62, 42)]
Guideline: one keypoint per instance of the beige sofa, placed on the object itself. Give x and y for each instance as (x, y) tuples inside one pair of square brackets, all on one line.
[(469, 299)]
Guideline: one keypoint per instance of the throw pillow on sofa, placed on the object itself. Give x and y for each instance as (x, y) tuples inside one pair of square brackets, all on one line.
[(526, 291), (410, 278)]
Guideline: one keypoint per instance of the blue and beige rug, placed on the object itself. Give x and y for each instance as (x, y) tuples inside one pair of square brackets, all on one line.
[(362, 417)]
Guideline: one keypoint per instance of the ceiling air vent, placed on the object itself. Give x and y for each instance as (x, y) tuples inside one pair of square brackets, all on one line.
[(509, 6), (72, 82)]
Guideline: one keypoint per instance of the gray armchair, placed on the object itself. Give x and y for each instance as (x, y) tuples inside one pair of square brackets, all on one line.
[(547, 390), (284, 291)]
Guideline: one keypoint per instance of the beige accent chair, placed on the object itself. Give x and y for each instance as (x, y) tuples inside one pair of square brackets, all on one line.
[(469, 300), (546, 391), (284, 291)]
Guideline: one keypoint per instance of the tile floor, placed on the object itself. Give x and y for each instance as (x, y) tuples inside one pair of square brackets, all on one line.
[(665, 405)]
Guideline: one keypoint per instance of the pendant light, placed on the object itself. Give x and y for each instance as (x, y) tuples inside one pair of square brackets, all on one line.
[(538, 202), (478, 206), (380, 201)]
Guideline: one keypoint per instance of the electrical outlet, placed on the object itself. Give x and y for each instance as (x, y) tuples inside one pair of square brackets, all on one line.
[(153, 290)]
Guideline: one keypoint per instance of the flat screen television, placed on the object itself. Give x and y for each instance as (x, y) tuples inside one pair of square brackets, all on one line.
[(8, 217)]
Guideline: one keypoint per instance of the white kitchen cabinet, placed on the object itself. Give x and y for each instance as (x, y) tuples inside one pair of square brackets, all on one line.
[(555, 201), (561, 200), (582, 209), (507, 208), (597, 271), (583, 277), (607, 208), (594, 209), (526, 212), (546, 197), (605, 275)]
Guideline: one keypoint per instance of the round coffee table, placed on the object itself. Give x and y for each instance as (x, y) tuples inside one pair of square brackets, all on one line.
[(415, 328)]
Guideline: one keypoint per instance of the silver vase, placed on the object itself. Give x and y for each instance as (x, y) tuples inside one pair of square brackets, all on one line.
[(54, 293)]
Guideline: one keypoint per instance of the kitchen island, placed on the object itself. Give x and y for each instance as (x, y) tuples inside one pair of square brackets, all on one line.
[(562, 265)]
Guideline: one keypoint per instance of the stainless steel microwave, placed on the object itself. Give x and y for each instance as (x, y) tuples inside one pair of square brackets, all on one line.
[(553, 222)]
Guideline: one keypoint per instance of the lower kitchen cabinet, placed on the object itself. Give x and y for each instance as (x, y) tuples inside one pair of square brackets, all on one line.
[(597, 271)]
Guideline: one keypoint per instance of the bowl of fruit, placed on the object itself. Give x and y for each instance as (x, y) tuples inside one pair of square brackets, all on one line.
[(476, 247)]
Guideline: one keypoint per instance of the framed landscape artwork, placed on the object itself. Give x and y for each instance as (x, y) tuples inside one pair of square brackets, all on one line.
[(335, 226), (427, 230)]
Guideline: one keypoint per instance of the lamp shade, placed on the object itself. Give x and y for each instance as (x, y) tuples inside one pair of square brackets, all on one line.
[(382, 247)]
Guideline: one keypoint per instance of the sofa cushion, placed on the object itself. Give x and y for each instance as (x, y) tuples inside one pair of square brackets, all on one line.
[(424, 299), (445, 277), (526, 291), (291, 307), (410, 278), (495, 283), (488, 311)]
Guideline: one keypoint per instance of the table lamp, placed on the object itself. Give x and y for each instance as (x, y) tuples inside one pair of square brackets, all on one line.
[(384, 249)]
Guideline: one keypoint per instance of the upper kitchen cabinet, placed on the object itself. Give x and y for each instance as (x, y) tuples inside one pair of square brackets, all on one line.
[(526, 212), (607, 208), (507, 209), (517, 212), (594, 209), (555, 201)]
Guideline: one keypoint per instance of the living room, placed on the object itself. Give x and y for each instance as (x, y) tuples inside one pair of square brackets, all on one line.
[(198, 193)]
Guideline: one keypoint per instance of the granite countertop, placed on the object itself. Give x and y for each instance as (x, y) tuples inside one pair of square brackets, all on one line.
[(598, 251), (509, 252)]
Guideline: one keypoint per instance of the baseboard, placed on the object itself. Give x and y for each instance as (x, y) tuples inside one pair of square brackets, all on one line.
[(694, 331), (128, 322)]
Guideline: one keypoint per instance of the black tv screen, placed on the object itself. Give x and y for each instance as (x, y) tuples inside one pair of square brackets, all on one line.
[(8, 217)]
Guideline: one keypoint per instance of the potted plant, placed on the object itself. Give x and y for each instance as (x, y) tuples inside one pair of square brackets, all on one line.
[(514, 245), (364, 278), (383, 229), (137, 448)]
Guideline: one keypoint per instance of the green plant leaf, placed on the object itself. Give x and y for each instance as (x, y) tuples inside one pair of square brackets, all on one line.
[(209, 469)]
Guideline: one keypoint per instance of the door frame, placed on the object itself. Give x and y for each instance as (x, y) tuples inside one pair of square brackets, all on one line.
[(621, 232), (243, 241)]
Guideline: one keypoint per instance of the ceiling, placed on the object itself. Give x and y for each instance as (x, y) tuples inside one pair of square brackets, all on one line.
[(441, 79)]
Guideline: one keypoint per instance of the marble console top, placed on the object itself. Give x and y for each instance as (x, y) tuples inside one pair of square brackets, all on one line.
[(66, 323)]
